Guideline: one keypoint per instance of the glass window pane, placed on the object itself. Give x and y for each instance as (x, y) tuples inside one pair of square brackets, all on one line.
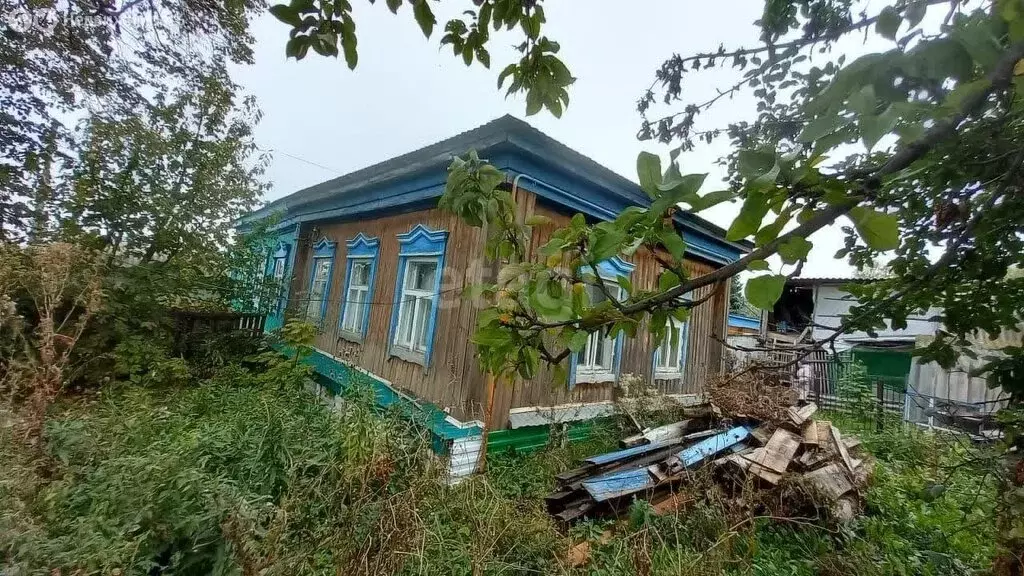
[(421, 275), (422, 322), (360, 274), (405, 321)]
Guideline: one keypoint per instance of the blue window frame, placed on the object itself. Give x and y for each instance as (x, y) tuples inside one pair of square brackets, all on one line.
[(599, 360), (321, 266), (360, 274), (417, 293)]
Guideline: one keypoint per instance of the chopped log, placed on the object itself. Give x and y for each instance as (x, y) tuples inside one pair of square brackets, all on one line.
[(810, 433), (851, 442), (800, 415), (813, 458), (837, 441), (831, 481)]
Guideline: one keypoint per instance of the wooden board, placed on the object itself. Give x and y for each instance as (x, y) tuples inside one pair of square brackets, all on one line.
[(778, 452), (800, 415), (753, 465), (837, 441), (810, 434), (831, 481)]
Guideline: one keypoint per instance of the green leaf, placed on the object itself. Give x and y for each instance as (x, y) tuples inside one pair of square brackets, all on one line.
[(537, 220), (794, 250), (286, 14), (394, 5), (605, 242), (578, 340), (667, 280), (822, 126), (916, 10), (533, 102), (711, 199), (348, 42), (888, 22), (673, 242), (749, 219), (625, 283), (758, 167), (879, 230), (757, 265), (648, 170), (763, 291), (508, 71), (873, 128), (424, 17)]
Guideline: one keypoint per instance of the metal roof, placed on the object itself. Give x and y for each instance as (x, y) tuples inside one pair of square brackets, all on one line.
[(504, 134)]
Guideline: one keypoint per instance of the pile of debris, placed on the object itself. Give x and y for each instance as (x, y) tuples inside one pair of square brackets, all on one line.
[(793, 449)]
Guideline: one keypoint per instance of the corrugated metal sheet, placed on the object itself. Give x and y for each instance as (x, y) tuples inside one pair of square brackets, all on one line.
[(464, 454)]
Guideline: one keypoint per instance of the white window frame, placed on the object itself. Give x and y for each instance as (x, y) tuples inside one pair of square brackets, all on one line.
[(317, 316), (355, 312), (422, 306), (587, 370), (662, 369)]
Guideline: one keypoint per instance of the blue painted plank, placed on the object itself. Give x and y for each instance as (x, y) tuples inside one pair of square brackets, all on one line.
[(616, 484), (627, 453), (709, 447)]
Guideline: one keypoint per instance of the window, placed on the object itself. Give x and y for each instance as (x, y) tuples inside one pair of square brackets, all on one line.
[(278, 269), (359, 277), (320, 281), (597, 362), (670, 356), (416, 303), (417, 293)]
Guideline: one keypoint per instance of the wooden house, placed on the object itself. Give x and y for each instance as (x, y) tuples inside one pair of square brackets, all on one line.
[(371, 259)]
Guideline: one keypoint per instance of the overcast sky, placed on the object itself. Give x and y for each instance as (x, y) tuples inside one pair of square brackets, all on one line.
[(407, 93)]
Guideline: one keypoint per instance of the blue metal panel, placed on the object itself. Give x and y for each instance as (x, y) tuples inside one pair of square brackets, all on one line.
[(741, 321), (627, 453), (710, 446), (617, 484)]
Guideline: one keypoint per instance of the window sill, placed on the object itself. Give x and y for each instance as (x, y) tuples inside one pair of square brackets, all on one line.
[(594, 377), (350, 337), (668, 375), (409, 355)]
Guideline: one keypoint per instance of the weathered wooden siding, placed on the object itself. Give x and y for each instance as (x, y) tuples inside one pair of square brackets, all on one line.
[(446, 381), (453, 380)]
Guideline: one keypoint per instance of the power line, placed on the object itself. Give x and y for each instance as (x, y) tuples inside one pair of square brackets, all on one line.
[(303, 160)]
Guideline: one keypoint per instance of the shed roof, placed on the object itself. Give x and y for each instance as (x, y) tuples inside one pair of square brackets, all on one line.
[(551, 169)]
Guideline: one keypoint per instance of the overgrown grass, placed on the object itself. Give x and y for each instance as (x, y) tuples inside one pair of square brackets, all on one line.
[(235, 477)]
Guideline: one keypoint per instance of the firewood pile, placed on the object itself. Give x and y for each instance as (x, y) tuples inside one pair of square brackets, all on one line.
[(734, 450)]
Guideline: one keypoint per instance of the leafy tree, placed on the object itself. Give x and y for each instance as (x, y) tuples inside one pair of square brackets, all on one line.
[(62, 59), (737, 301)]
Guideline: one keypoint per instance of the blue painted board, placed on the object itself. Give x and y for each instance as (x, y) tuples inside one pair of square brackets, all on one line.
[(710, 446), (615, 484), (627, 453)]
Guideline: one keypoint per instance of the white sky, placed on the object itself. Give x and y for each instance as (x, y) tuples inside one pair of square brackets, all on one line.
[(406, 93)]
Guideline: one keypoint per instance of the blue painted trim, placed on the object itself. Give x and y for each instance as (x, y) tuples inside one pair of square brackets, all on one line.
[(360, 248), (708, 447), (420, 242), (323, 250), (741, 321), (558, 180), (423, 412)]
